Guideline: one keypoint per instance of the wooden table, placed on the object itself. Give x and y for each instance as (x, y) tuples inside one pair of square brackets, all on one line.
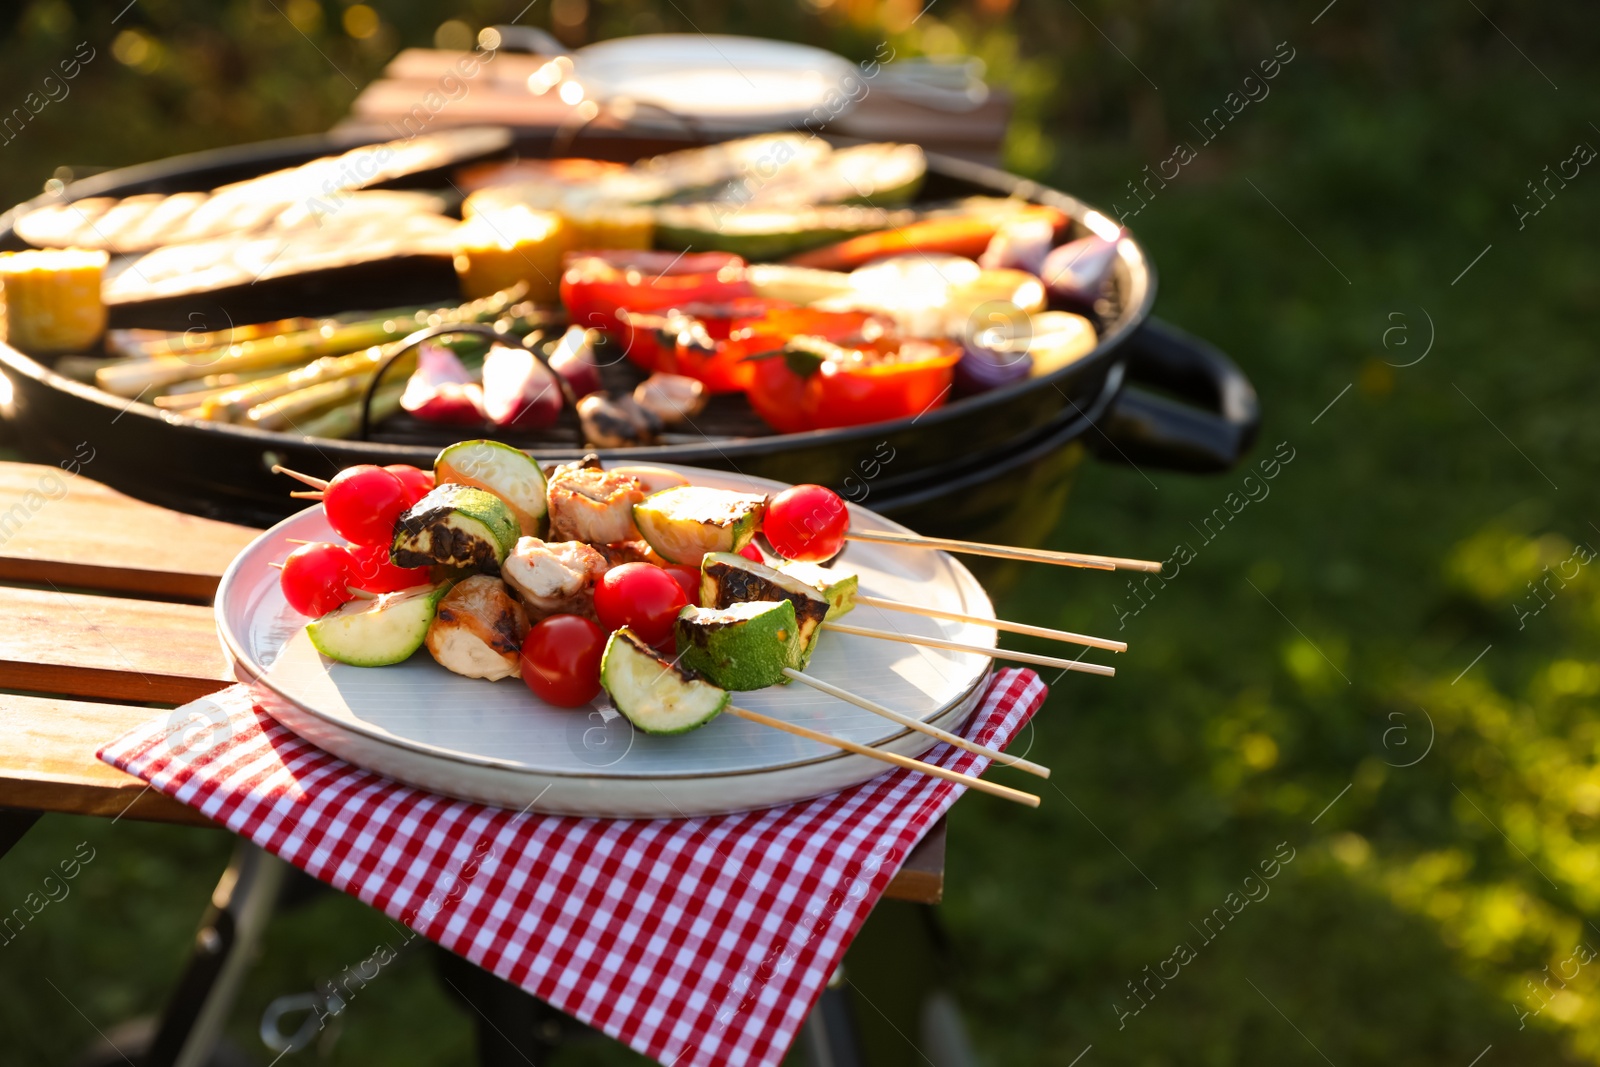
[(107, 619), (419, 84)]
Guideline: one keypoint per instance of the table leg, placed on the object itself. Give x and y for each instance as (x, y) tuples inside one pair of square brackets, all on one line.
[(14, 825), (241, 905), (829, 1035)]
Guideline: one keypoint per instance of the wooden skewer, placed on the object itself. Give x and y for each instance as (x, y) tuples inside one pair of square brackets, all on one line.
[(919, 726), (997, 624), (313, 482), (897, 760), (957, 646), (306, 494), (1031, 555)]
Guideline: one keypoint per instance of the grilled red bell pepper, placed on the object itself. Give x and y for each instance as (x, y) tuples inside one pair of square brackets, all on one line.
[(597, 287), (842, 369)]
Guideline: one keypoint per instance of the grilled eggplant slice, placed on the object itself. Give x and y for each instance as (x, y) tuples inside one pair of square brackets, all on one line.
[(509, 473), (685, 523), (458, 526), (727, 578), (376, 633), (478, 630), (657, 696), (742, 646)]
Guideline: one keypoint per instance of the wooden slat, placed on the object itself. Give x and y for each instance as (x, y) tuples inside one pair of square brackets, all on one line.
[(47, 761), (71, 531), (108, 647)]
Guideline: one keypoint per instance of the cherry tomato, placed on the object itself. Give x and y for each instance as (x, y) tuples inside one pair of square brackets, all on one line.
[(807, 523), (363, 502), (640, 596), (688, 578), (315, 578), (418, 482), (752, 553), (373, 571), (561, 660)]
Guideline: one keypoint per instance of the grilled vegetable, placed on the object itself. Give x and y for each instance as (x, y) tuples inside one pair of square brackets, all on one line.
[(863, 174), (592, 505), (727, 579), (685, 523), (706, 170), (455, 526), (840, 587), (616, 422), (1078, 272), (494, 250), (1059, 339), (767, 233), (672, 398), (478, 630), (573, 358), (508, 473), (655, 695), (51, 299), (519, 392), (742, 646), (376, 633)]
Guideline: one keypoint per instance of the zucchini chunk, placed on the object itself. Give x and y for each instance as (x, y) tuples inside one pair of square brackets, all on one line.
[(509, 473), (742, 646), (763, 233), (727, 578), (840, 587), (684, 523), (376, 633), (656, 696), (456, 526)]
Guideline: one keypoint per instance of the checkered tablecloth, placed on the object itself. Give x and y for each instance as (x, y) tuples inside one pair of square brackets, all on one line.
[(693, 941)]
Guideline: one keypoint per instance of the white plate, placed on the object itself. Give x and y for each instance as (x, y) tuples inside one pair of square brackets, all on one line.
[(717, 79), (494, 742)]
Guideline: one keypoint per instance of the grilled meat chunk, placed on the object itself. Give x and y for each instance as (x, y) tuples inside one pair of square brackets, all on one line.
[(478, 630), (593, 506), (553, 577)]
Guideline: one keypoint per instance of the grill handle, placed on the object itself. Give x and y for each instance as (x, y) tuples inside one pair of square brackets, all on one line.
[(1208, 435)]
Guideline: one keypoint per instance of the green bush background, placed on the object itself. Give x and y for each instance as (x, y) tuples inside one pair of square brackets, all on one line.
[(1316, 652)]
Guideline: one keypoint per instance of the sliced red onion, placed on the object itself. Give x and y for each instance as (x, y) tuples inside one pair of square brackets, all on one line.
[(519, 392), (982, 367), (573, 358), (1077, 272), (441, 389), (1020, 245)]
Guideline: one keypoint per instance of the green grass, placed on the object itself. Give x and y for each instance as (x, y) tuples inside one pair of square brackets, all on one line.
[(1306, 657)]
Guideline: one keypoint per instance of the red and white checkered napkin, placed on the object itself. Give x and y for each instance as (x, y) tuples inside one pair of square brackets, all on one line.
[(694, 941)]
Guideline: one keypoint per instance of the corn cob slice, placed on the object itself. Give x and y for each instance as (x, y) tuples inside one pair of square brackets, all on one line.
[(495, 250), (50, 299)]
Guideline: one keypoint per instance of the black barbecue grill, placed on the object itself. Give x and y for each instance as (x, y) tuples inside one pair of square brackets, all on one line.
[(955, 470)]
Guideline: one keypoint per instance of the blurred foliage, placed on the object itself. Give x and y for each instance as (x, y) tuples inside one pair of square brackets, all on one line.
[(1355, 667)]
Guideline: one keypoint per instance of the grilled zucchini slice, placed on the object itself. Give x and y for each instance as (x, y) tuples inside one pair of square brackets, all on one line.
[(658, 697), (457, 526), (685, 522), (727, 578), (509, 473), (742, 646), (840, 587), (376, 633)]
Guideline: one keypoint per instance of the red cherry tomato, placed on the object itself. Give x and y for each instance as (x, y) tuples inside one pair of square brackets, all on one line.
[(688, 578), (807, 523), (373, 571), (752, 553), (640, 596), (418, 482), (561, 660), (362, 504), (315, 578)]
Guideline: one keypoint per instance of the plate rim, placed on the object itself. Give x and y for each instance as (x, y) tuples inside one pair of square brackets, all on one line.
[(243, 668)]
